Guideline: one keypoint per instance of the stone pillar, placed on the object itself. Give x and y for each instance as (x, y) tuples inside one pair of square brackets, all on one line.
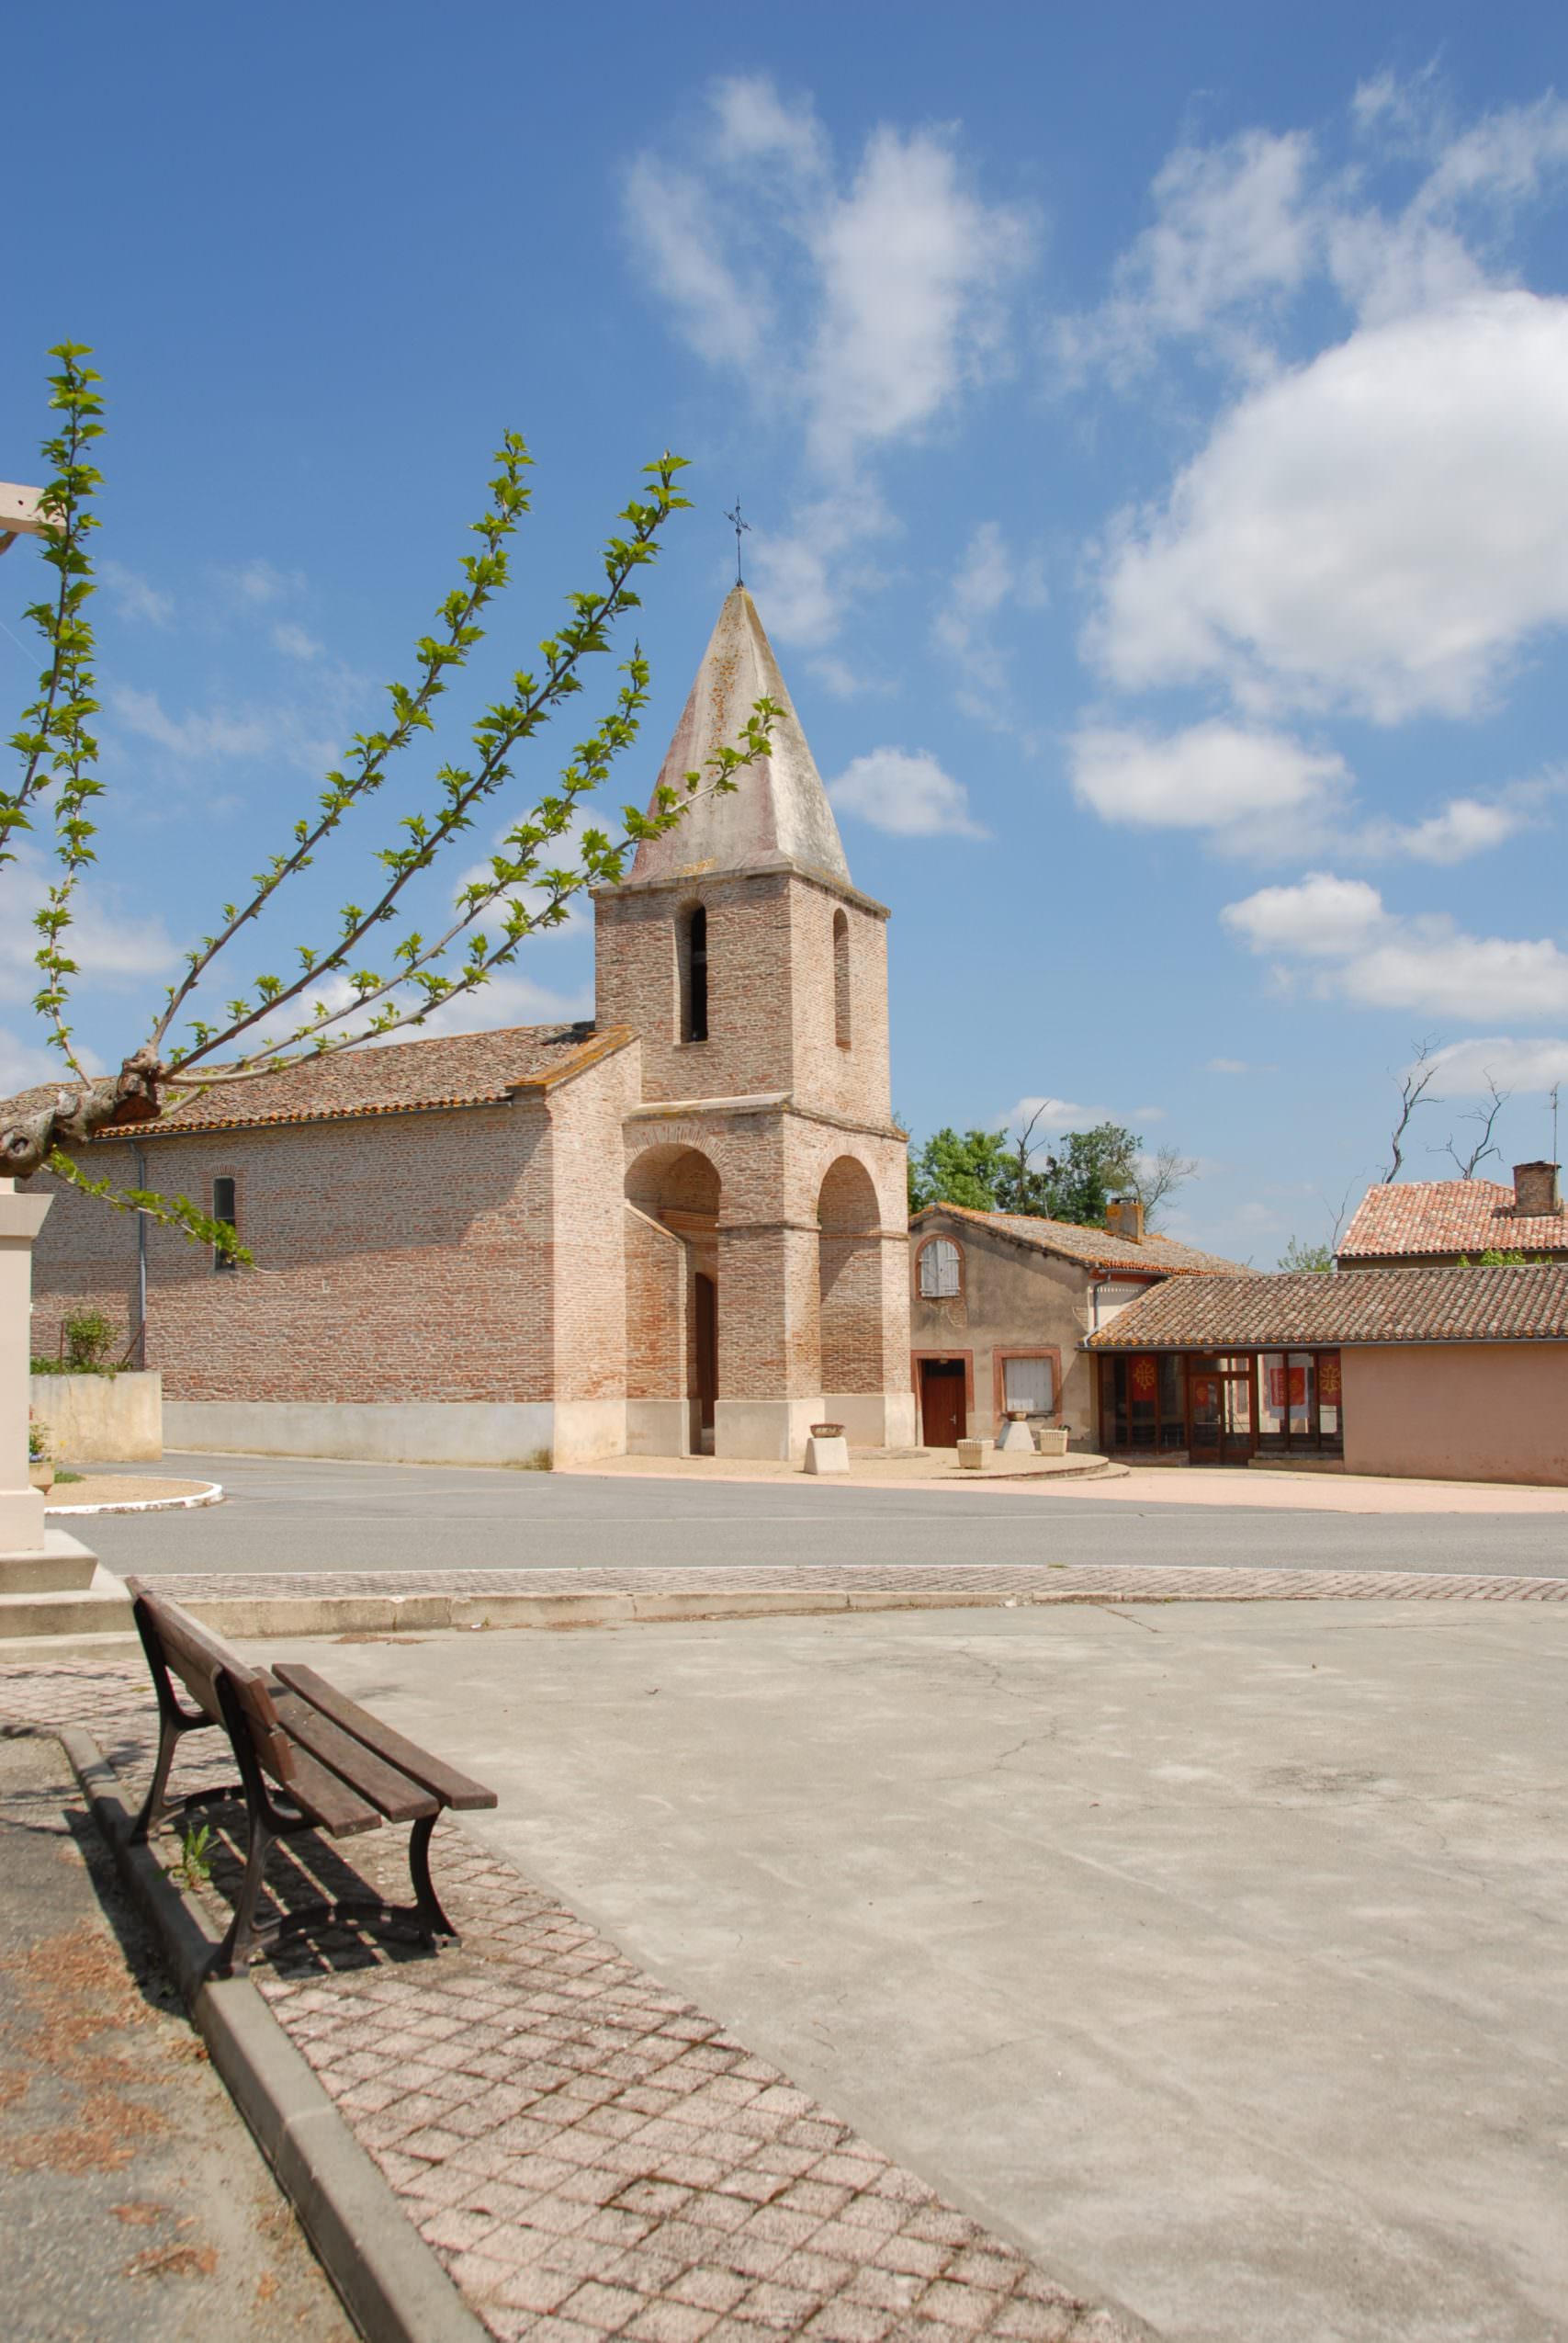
[(34, 1560)]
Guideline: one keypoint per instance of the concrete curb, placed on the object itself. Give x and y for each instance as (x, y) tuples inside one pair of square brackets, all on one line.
[(390, 2283), (212, 1494)]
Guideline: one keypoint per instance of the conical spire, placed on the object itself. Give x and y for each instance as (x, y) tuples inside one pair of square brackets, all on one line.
[(778, 811)]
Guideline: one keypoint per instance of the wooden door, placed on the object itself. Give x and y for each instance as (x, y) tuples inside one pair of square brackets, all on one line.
[(942, 1412), (706, 1348)]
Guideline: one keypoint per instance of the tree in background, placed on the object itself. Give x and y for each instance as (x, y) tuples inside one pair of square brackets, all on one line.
[(1299, 1255), (1073, 1182), (328, 997)]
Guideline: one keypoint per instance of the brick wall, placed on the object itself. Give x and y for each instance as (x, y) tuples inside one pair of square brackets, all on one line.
[(399, 1257)]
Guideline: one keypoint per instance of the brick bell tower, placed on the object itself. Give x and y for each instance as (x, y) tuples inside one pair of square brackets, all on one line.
[(767, 1230)]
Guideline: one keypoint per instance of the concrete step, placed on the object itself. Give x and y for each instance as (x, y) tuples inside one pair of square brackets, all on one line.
[(66, 1564), (97, 1605)]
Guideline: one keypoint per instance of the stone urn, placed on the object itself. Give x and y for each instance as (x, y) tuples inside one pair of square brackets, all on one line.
[(41, 1473), (826, 1451), (1015, 1439)]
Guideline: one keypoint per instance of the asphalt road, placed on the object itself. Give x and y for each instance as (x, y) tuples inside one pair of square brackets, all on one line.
[(291, 1515)]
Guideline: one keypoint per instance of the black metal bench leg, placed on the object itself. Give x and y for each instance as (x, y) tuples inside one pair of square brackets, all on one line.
[(243, 1941), (152, 1803), (432, 1918)]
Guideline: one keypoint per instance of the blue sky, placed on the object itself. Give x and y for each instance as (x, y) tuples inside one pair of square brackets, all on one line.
[(1155, 426)]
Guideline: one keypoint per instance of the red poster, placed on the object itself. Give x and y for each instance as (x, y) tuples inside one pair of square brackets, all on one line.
[(1328, 1378), (1278, 1379), (1143, 1376)]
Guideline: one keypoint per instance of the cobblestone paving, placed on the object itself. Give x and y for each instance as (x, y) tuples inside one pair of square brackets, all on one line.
[(838, 1584), (588, 2152)]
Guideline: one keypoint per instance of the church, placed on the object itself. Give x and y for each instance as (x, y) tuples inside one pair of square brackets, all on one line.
[(681, 1229)]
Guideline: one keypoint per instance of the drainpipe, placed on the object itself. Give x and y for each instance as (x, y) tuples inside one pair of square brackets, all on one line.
[(141, 1162)]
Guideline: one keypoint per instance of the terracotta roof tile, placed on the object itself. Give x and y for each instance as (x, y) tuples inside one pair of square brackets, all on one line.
[(397, 1078), (1426, 1217), (1357, 1307), (1097, 1248)]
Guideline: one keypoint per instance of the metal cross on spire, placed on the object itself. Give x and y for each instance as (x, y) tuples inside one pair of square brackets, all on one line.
[(740, 528)]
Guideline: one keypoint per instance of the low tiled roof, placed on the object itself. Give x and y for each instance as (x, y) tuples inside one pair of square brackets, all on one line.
[(1417, 1216), (1095, 1248), (1358, 1306), (397, 1078)]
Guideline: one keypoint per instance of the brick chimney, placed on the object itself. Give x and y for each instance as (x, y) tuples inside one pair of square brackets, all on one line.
[(1124, 1217), (1535, 1191)]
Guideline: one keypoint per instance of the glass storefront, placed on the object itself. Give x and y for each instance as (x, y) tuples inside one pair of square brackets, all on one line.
[(1221, 1406)]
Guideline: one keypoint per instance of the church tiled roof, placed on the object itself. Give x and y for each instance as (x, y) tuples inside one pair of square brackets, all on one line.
[(1095, 1248), (1425, 1217), (398, 1078), (1358, 1306)]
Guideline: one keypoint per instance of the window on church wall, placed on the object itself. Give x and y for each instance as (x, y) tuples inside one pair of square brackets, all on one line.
[(939, 1270), (224, 1207), (693, 975), (841, 979)]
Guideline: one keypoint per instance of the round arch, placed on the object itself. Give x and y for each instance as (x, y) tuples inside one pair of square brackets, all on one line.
[(673, 1194), (849, 1279)]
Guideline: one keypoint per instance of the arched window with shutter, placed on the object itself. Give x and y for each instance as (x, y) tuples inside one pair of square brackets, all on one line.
[(841, 979)]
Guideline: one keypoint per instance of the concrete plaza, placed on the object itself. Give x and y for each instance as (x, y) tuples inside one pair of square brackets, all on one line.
[(1215, 1952)]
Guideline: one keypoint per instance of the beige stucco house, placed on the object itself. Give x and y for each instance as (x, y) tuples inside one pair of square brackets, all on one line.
[(1437, 1372), (681, 1225), (1001, 1304)]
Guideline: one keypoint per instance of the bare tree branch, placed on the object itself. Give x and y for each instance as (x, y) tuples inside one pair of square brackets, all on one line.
[(1413, 1093), (1159, 1177), (1486, 1116)]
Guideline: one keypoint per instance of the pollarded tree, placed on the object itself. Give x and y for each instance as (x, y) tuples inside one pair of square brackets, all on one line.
[(329, 997)]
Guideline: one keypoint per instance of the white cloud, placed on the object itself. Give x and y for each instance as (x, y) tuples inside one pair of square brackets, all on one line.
[(912, 268), (863, 301), (113, 949), (1254, 792), (1467, 1067), (906, 793), (1234, 1066), (136, 597), (1241, 229), (295, 641), (989, 580), (258, 581), (1232, 231), (1384, 530), (23, 1064), (1268, 795), (221, 732), (1360, 951)]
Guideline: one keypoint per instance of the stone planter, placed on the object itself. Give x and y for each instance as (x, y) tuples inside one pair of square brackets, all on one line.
[(1053, 1439), (1015, 1440), (972, 1453), (41, 1473), (826, 1451)]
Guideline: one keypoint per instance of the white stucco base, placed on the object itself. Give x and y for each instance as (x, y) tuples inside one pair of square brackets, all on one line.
[(102, 1418), (658, 1428), (776, 1430), (475, 1431), (873, 1419)]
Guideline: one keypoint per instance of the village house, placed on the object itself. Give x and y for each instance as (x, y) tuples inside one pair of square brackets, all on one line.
[(1438, 1372), (1400, 1223), (682, 1226), (1001, 1304)]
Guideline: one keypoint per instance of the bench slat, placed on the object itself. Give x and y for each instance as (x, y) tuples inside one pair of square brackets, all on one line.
[(396, 1796), (453, 1788), (327, 1800)]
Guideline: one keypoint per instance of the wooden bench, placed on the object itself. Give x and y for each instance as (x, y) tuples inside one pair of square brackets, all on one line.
[(335, 1768)]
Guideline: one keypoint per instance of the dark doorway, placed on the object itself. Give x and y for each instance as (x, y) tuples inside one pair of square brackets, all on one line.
[(942, 1412), (1223, 1415), (707, 1347)]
